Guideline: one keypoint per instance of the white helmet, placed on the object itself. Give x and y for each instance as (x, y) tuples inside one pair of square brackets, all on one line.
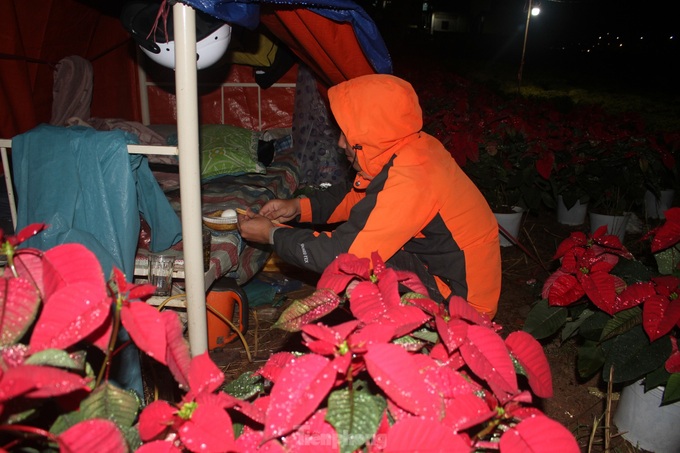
[(212, 35)]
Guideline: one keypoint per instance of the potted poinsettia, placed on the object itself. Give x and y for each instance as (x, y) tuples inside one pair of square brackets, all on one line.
[(625, 315)]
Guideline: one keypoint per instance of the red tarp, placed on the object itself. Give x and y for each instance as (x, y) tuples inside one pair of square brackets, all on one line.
[(33, 39)]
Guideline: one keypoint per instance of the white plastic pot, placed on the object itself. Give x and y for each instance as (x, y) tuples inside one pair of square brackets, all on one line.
[(646, 424), (509, 222), (616, 224), (575, 215)]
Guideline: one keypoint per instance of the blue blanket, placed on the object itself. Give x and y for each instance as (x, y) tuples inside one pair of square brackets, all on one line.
[(89, 190)]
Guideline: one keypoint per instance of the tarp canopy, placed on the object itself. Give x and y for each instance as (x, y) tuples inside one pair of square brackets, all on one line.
[(335, 38)]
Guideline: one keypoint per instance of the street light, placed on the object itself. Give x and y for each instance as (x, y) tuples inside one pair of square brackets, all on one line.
[(532, 10)]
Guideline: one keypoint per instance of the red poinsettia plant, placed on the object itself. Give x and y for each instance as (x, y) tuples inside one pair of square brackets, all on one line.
[(626, 314), (60, 320), (401, 373)]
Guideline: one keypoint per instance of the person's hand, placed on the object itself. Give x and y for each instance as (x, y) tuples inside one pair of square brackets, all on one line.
[(254, 227), (281, 211)]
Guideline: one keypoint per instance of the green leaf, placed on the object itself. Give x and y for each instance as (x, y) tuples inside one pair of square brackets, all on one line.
[(307, 310), (589, 359), (411, 344), (668, 260), (672, 392), (426, 335), (54, 357), (633, 356), (544, 320), (19, 304), (656, 378), (632, 271), (355, 415), (622, 322), (111, 403), (65, 421), (571, 327), (245, 386), (591, 328)]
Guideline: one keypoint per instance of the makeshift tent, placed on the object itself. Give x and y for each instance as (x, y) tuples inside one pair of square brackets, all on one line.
[(336, 39)]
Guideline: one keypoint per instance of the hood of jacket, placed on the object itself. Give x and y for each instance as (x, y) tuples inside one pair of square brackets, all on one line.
[(378, 113)]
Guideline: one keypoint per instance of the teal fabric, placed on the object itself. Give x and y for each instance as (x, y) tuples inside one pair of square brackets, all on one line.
[(89, 190)]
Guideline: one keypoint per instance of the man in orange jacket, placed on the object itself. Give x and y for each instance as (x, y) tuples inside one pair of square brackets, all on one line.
[(410, 201)]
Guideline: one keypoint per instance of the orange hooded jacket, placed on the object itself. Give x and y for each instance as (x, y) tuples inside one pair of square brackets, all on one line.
[(418, 200)]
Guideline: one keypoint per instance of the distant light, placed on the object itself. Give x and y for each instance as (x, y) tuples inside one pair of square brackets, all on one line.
[(535, 11)]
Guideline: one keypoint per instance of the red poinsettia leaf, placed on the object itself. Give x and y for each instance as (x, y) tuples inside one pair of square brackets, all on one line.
[(351, 264), (538, 434), (315, 435), (19, 303), (29, 266), (333, 335), (659, 316), (447, 382), (427, 305), (453, 332), (488, 357), (576, 239), (668, 234), (343, 270), (101, 337), (672, 365), (460, 308), (204, 375), (250, 410), (565, 290), (208, 429), (71, 264), (251, 440), (276, 363), (146, 328), (366, 302), (26, 233), (667, 285), (411, 281), (302, 385), (93, 435), (529, 353), (544, 165), (177, 355), (155, 419), (74, 312), (404, 318), (417, 434), (370, 334), (388, 284), (600, 288), (38, 382), (633, 295), (395, 372), (307, 310), (466, 410)]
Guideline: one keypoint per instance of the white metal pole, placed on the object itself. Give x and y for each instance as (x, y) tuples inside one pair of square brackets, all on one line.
[(184, 21)]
